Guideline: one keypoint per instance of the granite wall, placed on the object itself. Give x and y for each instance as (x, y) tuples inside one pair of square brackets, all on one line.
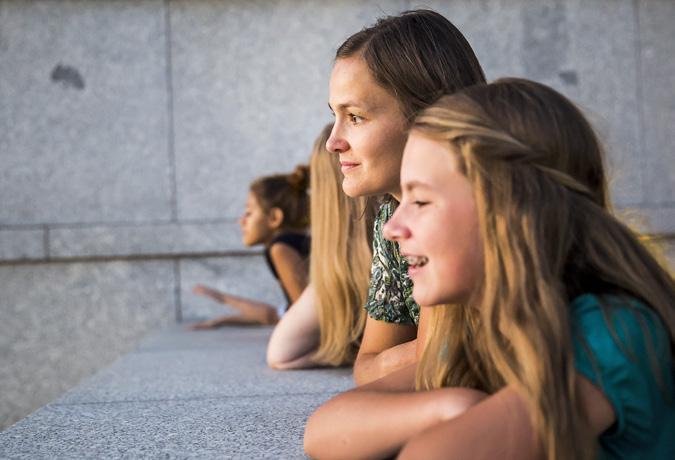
[(129, 131)]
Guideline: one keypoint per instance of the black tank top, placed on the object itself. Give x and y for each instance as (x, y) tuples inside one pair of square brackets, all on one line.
[(298, 241)]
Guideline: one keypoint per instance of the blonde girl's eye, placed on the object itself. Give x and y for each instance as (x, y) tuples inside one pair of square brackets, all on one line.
[(419, 203)]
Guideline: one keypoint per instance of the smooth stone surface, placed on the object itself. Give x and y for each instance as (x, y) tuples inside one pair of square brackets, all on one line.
[(161, 239), (83, 119), (62, 322), (657, 75), (245, 276), (22, 244), (250, 81), (196, 394)]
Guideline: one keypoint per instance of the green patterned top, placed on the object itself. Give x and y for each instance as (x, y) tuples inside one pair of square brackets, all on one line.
[(390, 293)]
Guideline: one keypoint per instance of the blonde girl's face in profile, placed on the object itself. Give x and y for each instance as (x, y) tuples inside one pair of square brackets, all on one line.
[(369, 130), (255, 223), (436, 224)]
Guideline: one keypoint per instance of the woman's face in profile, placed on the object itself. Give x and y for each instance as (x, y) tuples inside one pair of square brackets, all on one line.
[(369, 132)]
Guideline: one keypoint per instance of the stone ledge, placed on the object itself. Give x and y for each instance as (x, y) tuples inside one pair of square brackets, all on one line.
[(202, 394), (121, 241)]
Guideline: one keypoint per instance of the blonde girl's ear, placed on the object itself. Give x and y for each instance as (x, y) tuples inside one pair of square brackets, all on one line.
[(275, 217)]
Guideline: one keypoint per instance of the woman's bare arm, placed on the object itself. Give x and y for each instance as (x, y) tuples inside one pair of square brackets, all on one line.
[(296, 336), (376, 420), (385, 348)]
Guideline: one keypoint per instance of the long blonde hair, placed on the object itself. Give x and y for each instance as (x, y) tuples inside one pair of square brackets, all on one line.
[(340, 258), (548, 236)]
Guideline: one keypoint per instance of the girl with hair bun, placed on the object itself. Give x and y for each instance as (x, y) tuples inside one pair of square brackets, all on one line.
[(554, 334), (277, 217)]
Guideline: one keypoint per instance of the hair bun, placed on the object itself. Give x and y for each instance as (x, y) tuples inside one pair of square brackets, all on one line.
[(299, 179)]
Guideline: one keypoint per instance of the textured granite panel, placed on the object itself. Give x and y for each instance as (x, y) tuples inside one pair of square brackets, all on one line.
[(243, 427), (147, 239), (250, 83), (246, 276), (657, 54), (602, 55), (62, 322), (655, 221), (236, 368), (83, 119), (179, 338), (492, 27), (22, 244)]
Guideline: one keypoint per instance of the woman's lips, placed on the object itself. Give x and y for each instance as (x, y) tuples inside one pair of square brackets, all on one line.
[(415, 263), (346, 166)]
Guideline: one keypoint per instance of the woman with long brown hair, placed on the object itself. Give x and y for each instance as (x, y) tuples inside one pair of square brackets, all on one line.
[(558, 333), (325, 326), (382, 77)]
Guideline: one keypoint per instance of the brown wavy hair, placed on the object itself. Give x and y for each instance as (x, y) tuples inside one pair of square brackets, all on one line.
[(536, 168), (340, 258), (288, 192), (417, 56)]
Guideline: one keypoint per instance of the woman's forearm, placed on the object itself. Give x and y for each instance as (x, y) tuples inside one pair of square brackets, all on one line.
[(373, 424), (372, 366)]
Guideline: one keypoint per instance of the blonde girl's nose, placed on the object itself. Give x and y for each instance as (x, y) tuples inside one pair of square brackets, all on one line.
[(395, 229)]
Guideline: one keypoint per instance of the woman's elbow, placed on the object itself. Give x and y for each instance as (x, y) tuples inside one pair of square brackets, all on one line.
[(313, 444)]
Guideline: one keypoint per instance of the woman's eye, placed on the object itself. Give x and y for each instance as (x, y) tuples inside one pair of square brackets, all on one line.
[(420, 203), (355, 119)]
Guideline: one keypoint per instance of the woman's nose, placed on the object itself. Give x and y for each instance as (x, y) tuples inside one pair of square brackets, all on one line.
[(395, 230), (335, 143)]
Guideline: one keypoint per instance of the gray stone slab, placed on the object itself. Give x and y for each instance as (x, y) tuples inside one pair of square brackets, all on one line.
[(493, 28), (250, 83), (83, 119), (257, 427), (62, 322), (246, 276), (602, 55), (657, 74), (179, 238), (236, 369), (178, 337), (654, 221), (22, 244)]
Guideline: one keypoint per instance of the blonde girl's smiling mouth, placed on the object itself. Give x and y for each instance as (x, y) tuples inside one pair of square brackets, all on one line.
[(415, 263)]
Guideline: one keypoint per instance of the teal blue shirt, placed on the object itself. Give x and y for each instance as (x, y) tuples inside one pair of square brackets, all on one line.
[(633, 365)]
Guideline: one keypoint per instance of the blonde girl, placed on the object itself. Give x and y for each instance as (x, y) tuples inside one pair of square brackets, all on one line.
[(560, 325), (325, 325), (276, 217)]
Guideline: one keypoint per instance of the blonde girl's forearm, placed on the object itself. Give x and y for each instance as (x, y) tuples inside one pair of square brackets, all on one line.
[(376, 424)]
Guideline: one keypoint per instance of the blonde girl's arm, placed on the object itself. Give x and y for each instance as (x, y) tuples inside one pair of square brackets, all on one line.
[(376, 420), (291, 268), (296, 336), (500, 427)]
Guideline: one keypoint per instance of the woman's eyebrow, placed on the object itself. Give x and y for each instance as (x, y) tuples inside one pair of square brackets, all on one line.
[(344, 105)]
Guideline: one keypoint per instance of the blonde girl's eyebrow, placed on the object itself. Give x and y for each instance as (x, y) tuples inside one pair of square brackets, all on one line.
[(412, 185)]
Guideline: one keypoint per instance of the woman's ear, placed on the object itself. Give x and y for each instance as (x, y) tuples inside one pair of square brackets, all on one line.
[(275, 217)]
